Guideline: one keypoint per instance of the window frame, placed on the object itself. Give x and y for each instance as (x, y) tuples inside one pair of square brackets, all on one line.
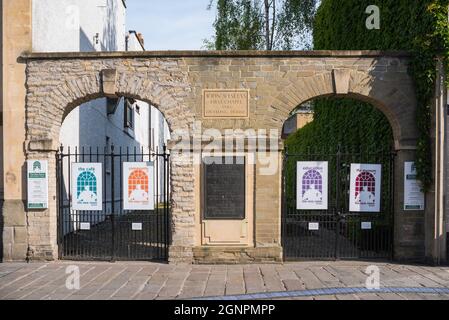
[(129, 111)]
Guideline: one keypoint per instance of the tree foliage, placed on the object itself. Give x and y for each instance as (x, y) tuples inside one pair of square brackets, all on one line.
[(420, 27), (262, 24)]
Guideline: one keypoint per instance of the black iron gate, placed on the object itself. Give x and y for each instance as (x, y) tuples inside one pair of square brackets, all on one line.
[(337, 233), (113, 233)]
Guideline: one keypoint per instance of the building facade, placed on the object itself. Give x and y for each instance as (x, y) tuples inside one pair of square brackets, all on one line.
[(204, 95)]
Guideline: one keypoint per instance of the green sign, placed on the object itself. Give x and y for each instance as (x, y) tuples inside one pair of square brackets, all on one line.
[(37, 184)]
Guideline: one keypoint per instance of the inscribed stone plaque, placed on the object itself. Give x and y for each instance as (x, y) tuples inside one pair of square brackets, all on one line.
[(224, 189), (225, 104)]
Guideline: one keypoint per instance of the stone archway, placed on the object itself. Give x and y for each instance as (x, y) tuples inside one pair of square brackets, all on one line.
[(63, 96), (276, 82), (398, 105)]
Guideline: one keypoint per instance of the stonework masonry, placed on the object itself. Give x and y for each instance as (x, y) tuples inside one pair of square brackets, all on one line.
[(174, 82), (16, 38)]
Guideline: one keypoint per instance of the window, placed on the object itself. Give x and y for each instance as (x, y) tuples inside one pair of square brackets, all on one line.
[(129, 114), (111, 105)]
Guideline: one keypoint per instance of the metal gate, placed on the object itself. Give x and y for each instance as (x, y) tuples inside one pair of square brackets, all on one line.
[(113, 233), (340, 234)]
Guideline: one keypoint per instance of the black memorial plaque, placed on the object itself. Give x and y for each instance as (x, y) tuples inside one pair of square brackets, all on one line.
[(224, 189)]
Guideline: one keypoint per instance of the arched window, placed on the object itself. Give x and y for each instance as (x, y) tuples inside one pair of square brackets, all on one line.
[(137, 178), (365, 181), (86, 182), (312, 178)]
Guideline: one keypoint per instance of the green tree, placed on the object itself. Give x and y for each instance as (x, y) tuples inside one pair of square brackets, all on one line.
[(262, 24)]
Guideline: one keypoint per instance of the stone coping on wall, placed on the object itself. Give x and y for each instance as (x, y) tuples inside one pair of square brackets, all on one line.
[(213, 54)]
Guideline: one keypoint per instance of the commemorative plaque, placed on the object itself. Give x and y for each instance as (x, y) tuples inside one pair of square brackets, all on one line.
[(224, 189), (225, 104)]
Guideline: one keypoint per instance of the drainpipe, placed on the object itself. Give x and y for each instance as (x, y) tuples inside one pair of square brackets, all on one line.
[(445, 107), (446, 173), (446, 163), (440, 114), (150, 126)]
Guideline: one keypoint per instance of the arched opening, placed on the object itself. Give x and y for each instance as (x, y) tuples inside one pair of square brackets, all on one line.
[(113, 181), (338, 181)]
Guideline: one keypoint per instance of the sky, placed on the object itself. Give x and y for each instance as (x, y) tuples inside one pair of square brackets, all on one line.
[(171, 24)]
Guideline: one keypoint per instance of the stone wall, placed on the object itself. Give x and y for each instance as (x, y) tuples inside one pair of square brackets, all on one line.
[(173, 81), (16, 38)]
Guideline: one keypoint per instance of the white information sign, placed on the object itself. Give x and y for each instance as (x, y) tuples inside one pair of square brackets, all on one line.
[(138, 185), (367, 226), (311, 184), (413, 195), (136, 226), (37, 184), (314, 226), (365, 188), (87, 187), (85, 225)]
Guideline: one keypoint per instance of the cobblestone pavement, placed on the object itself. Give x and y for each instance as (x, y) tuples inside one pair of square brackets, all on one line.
[(135, 280)]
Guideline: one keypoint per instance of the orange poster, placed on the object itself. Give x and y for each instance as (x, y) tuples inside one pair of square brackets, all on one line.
[(138, 186)]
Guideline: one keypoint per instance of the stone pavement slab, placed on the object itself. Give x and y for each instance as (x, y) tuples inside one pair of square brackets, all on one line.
[(340, 280)]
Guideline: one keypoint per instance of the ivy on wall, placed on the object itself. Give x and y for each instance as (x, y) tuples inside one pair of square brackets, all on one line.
[(420, 27), (335, 124)]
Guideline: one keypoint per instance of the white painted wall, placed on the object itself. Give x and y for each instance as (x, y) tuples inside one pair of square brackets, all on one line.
[(72, 25)]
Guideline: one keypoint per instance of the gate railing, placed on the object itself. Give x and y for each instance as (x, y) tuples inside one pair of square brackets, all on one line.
[(340, 235), (112, 234)]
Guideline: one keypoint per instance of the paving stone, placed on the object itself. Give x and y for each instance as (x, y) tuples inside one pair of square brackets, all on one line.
[(326, 278), (233, 290), (368, 296), (146, 296), (124, 281), (330, 297), (214, 291), (347, 297), (390, 296), (309, 279), (170, 291), (293, 285), (349, 276)]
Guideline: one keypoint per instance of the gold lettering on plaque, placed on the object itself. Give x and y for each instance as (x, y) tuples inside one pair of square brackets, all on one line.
[(230, 104)]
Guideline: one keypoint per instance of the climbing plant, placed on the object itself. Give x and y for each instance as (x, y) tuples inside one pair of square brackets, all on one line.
[(420, 27)]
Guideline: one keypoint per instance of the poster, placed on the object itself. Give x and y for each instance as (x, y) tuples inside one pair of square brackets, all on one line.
[(413, 195), (312, 185), (87, 188), (365, 188), (37, 184), (138, 188)]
